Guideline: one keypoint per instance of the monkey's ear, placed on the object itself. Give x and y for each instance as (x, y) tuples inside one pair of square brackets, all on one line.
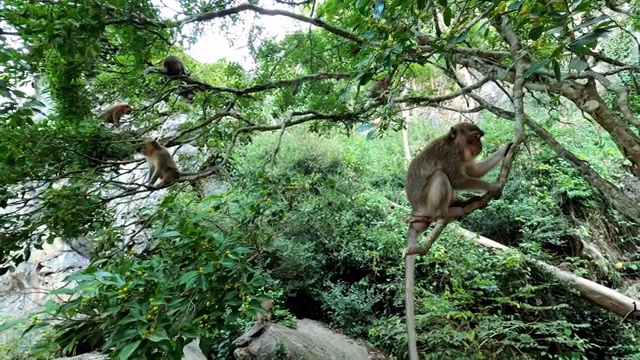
[(452, 133)]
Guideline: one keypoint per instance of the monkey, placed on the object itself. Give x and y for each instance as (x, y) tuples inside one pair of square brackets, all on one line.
[(114, 113), (161, 165), (443, 166), (266, 317), (171, 66), (380, 88)]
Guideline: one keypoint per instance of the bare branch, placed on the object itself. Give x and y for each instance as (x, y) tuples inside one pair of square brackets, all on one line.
[(441, 98), (245, 7), (195, 84)]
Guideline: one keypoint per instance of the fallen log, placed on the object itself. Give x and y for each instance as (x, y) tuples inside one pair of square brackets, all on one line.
[(608, 298)]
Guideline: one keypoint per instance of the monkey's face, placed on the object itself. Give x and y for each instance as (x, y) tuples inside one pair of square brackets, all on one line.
[(474, 143), (148, 148), (127, 109)]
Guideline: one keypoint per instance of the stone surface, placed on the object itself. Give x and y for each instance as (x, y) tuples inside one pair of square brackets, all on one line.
[(310, 340)]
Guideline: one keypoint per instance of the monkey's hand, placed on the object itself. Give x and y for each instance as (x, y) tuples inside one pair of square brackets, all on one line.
[(507, 148)]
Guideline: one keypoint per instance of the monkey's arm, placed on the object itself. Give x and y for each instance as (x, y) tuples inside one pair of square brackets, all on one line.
[(153, 174), (481, 168)]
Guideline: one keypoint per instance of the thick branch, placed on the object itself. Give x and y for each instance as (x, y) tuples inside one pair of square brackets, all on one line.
[(245, 7), (611, 192), (585, 96), (623, 97), (594, 292)]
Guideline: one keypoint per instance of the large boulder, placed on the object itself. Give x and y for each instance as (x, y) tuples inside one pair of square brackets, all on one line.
[(310, 340)]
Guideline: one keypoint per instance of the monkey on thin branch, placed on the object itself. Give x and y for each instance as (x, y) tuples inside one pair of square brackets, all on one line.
[(447, 164)]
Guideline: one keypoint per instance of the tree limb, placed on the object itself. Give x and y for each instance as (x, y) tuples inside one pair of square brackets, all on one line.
[(249, 7)]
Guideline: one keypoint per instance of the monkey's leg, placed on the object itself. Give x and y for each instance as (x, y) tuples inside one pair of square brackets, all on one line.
[(152, 170), (115, 118), (437, 197), (475, 184)]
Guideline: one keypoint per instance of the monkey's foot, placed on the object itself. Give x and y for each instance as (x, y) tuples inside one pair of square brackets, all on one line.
[(413, 250), (420, 219)]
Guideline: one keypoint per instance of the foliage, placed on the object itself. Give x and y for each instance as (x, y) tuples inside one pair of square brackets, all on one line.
[(481, 304), (302, 201), (13, 346), (193, 283)]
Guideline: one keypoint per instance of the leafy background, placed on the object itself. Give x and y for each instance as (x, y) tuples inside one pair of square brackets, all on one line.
[(310, 167)]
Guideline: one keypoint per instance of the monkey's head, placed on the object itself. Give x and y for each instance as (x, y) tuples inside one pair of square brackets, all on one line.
[(127, 109), (468, 138), (149, 147)]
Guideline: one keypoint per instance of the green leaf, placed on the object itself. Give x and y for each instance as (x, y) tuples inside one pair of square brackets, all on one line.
[(377, 10), (421, 4), (370, 134), (10, 324), (534, 33), (514, 5), (129, 349), (447, 16), (188, 276), (158, 335), (535, 67), (443, 3), (167, 234)]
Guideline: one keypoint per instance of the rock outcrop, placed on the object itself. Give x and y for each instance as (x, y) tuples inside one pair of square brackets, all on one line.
[(310, 340)]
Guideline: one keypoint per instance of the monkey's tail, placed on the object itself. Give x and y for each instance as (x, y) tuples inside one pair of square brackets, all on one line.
[(410, 263)]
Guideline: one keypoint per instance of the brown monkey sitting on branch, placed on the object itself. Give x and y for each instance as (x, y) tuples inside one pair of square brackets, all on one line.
[(380, 88), (171, 66), (161, 164), (445, 165), (114, 113)]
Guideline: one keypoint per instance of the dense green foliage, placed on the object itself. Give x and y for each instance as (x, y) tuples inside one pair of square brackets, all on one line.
[(307, 166)]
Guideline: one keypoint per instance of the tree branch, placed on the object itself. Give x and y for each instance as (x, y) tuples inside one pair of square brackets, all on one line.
[(249, 7), (623, 97), (441, 98), (193, 84)]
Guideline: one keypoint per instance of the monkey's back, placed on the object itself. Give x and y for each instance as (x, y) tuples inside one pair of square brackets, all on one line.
[(441, 154), (174, 65)]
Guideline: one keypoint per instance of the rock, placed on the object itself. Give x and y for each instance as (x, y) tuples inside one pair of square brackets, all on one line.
[(311, 340), (25, 289), (190, 352)]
